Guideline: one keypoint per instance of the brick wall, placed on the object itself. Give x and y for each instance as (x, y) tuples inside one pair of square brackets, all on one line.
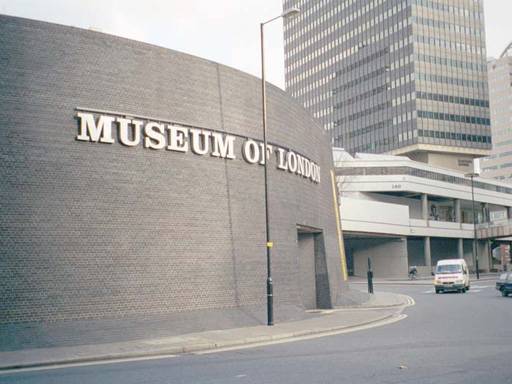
[(91, 230)]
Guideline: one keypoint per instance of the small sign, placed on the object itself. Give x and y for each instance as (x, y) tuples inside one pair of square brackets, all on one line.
[(270, 244)]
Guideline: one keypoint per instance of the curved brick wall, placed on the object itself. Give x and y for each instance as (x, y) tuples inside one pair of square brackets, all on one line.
[(98, 230)]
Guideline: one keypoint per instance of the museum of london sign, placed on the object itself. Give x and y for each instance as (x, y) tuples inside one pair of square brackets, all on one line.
[(99, 127)]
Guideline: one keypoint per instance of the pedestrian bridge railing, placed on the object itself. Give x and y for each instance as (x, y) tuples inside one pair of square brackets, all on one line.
[(494, 230)]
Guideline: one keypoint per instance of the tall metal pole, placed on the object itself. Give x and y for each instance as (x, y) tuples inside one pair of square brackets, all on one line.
[(475, 246), (270, 296)]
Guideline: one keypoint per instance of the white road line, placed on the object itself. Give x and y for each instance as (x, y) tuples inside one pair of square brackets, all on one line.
[(85, 364), (390, 320), (430, 291)]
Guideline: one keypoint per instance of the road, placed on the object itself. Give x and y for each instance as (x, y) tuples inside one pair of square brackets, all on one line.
[(447, 338)]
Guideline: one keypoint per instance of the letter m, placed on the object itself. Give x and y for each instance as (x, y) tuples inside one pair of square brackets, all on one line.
[(92, 130), (223, 147)]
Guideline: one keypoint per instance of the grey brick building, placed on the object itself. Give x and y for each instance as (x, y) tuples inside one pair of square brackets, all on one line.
[(393, 76), (94, 229)]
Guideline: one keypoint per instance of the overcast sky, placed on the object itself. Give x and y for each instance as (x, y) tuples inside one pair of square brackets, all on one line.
[(225, 31)]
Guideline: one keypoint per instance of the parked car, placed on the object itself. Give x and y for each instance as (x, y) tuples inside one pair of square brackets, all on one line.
[(504, 283), (451, 275)]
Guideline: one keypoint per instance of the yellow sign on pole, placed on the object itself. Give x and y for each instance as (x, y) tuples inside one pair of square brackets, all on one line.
[(270, 244)]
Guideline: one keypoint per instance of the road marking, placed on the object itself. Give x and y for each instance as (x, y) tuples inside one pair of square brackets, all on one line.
[(474, 290), (390, 320), (85, 364), (430, 291), (481, 286)]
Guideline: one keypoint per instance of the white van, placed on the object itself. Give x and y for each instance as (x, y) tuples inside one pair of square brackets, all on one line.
[(451, 275)]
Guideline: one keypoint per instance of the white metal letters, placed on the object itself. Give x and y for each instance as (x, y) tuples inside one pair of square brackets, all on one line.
[(101, 128)]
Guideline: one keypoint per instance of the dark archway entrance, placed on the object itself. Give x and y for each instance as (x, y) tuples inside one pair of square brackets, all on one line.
[(313, 277)]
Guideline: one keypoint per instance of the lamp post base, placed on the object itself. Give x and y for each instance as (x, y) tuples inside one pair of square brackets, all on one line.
[(270, 302)]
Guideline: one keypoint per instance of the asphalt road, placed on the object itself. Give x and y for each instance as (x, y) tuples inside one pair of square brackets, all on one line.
[(447, 338)]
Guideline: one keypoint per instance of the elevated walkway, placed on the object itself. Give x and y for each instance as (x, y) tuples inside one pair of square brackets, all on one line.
[(495, 230)]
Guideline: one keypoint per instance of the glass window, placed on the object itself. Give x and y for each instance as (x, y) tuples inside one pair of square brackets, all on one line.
[(503, 276), (449, 268)]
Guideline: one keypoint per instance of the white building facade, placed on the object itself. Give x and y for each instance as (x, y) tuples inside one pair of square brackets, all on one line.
[(404, 213), (499, 164)]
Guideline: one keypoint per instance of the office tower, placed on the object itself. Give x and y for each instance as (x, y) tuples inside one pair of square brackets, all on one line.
[(499, 164), (393, 76)]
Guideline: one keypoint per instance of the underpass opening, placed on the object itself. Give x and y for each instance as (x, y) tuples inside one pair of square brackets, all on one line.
[(443, 248), (416, 251), (388, 254)]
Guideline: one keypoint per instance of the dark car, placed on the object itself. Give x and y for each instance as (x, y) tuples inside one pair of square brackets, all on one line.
[(504, 283)]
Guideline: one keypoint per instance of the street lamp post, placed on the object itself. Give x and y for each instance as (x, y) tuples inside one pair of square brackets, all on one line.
[(270, 299), (475, 245)]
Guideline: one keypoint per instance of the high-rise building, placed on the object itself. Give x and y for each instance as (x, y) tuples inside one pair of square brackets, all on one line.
[(393, 76), (499, 164)]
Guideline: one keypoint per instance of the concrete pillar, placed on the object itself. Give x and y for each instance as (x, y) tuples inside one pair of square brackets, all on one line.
[(460, 248), (486, 217), (458, 212), (424, 206), (428, 258), (509, 213), (489, 254), (483, 256), (509, 258)]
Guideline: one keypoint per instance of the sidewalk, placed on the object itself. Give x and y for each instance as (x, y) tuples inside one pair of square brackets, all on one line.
[(382, 308), (421, 280)]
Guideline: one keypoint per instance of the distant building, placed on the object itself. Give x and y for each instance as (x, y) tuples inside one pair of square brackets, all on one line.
[(405, 213), (405, 77), (499, 164)]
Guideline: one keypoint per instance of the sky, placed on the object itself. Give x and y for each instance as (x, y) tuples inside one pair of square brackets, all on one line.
[(225, 31)]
